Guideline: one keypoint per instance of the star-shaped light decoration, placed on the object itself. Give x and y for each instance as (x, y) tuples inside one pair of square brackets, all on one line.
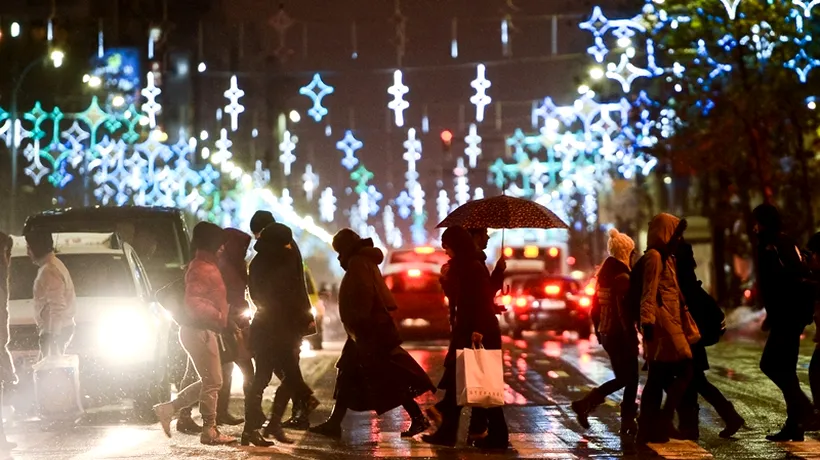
[(349, 145), (287, 146), (311, 181), (625, 73), (403, 201), (234, 108), (412, 155), (223, 148), (480, 99), (327, 205), (151, 107), (398, 105), (316, 90), (361, 176), (473, 149)]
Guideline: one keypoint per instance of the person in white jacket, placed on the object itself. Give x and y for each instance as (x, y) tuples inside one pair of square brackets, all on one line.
[(54, 296)]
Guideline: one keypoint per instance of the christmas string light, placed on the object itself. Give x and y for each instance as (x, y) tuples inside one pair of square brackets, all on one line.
[(316, 90)]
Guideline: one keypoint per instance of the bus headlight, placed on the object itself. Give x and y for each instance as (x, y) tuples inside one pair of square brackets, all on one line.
[(125, 335)]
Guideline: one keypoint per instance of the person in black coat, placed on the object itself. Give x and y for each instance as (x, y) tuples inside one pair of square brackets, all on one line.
[(468, 286), (374, 372), (277, 287), (780, 271), (697, 301)]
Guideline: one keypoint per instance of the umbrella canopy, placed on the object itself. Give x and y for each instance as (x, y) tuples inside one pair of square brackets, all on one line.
[(503, 212)]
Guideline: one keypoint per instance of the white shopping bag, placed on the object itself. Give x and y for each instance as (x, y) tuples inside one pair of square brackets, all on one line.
[(479, 378), (57, 387)]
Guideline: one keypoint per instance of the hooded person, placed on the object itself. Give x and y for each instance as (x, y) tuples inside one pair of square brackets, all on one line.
[(616, 328), (780, 275), (814, 367), (7, 371), (374, 372), (666, 345), (283, 316), (206, 316)]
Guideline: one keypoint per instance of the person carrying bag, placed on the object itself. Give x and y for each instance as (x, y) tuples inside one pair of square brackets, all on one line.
[(479, 376)]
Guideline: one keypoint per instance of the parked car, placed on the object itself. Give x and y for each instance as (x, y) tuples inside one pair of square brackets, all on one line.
[(318, 310), (122, 333), (159, 235), (546, 302)]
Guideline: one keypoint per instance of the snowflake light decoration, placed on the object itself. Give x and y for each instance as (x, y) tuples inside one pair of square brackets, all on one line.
[(473, 149), (349, 145), (223, 146), (403, 201), (398, 105), (480, 99), (806, 5), (151, 107), (375, 198), (731, 7), (316, 90), (442, 205), (412, 155), (287, 158), (286, 200), (802, 64), (478, 193), (311, 181), (361, 176), (462, 187), (327, 205), (234, 108), (625, 72)]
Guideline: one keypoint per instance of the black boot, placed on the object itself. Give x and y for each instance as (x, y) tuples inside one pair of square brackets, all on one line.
[(329, 429), (186, 424), (581, 409), (274, 426), (274, 430), (789, 432), (254, 438), (734, 423), (418, 425)]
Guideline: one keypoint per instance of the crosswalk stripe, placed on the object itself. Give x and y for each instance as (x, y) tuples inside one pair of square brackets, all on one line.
[(683, 450), (810, 448)]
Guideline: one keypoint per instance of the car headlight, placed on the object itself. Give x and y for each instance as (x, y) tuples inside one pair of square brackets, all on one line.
[(125, 335)]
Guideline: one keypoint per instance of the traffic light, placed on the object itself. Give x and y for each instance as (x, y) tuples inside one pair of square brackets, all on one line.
[(446, 140)]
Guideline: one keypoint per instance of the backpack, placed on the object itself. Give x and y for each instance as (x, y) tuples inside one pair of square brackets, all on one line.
[(804, 292), (633, 295), (708, 316)]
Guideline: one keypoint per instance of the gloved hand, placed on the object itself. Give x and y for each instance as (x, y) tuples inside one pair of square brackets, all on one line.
[(648, 331)]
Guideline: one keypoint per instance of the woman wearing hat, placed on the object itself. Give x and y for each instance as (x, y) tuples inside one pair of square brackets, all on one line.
[(374, 371), (206, 316)]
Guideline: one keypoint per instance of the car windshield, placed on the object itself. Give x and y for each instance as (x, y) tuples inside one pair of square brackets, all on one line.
[(94, 275), (155, 239), (436, 257)]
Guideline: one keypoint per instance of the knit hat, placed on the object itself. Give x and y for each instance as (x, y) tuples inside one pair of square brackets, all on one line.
[(620, 245)]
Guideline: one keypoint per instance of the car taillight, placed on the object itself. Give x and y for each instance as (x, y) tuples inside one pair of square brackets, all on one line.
[(553, 252), (552, 289), (585, 302), (521, 302), (590, 288), (414, 273), (508, 252), (506, 300), (388, 280)]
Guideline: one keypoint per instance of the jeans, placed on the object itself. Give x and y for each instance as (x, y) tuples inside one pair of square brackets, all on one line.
[(283, 361), (674, 377), (624, 360), (55, 344), (203, 348), (779, 363), (689, 408)]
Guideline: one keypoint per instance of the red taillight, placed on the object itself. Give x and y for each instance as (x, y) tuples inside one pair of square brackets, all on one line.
[(552, 289), (521, 302), (748, 294), (414, 273), (590, 288), (388, 280), (506, 300), (585, 302)]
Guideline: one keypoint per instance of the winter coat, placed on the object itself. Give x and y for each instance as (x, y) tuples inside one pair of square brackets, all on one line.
[(234, 271), (780, 269), (365, 300), (375, 373), (692, 290), (471, 291), (610, 315), (206, 303), (55, 302), (278, 289), (661, 299), (7, 371)]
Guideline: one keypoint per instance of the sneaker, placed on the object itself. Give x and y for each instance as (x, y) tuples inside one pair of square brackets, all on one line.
[(187, 425), (165, 412), (212, 437)]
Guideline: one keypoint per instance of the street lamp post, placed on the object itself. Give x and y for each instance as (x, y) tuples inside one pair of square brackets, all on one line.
[(56, 57)]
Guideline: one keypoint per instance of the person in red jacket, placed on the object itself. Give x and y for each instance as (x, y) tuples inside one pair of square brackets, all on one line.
[(206, 316)]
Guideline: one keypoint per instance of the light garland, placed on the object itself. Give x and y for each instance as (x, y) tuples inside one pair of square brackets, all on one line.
[(349, 145), (480, 99), (316, 91), (234, 108), (287, 158), (398, 105)]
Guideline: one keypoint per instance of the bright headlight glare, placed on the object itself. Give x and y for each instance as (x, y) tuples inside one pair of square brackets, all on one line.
[(125, 334)]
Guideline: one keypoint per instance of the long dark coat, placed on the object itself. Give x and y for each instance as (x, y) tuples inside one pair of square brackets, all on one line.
[(471, 291), (374, 372)]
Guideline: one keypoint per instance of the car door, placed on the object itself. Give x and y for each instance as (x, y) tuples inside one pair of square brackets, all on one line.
[(148, 300)]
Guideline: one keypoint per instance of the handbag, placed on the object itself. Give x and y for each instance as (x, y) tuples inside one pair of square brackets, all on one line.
[(689, 326), (479, 377)]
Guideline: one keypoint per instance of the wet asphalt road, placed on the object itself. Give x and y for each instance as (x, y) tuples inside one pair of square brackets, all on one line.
[(544, 373)]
